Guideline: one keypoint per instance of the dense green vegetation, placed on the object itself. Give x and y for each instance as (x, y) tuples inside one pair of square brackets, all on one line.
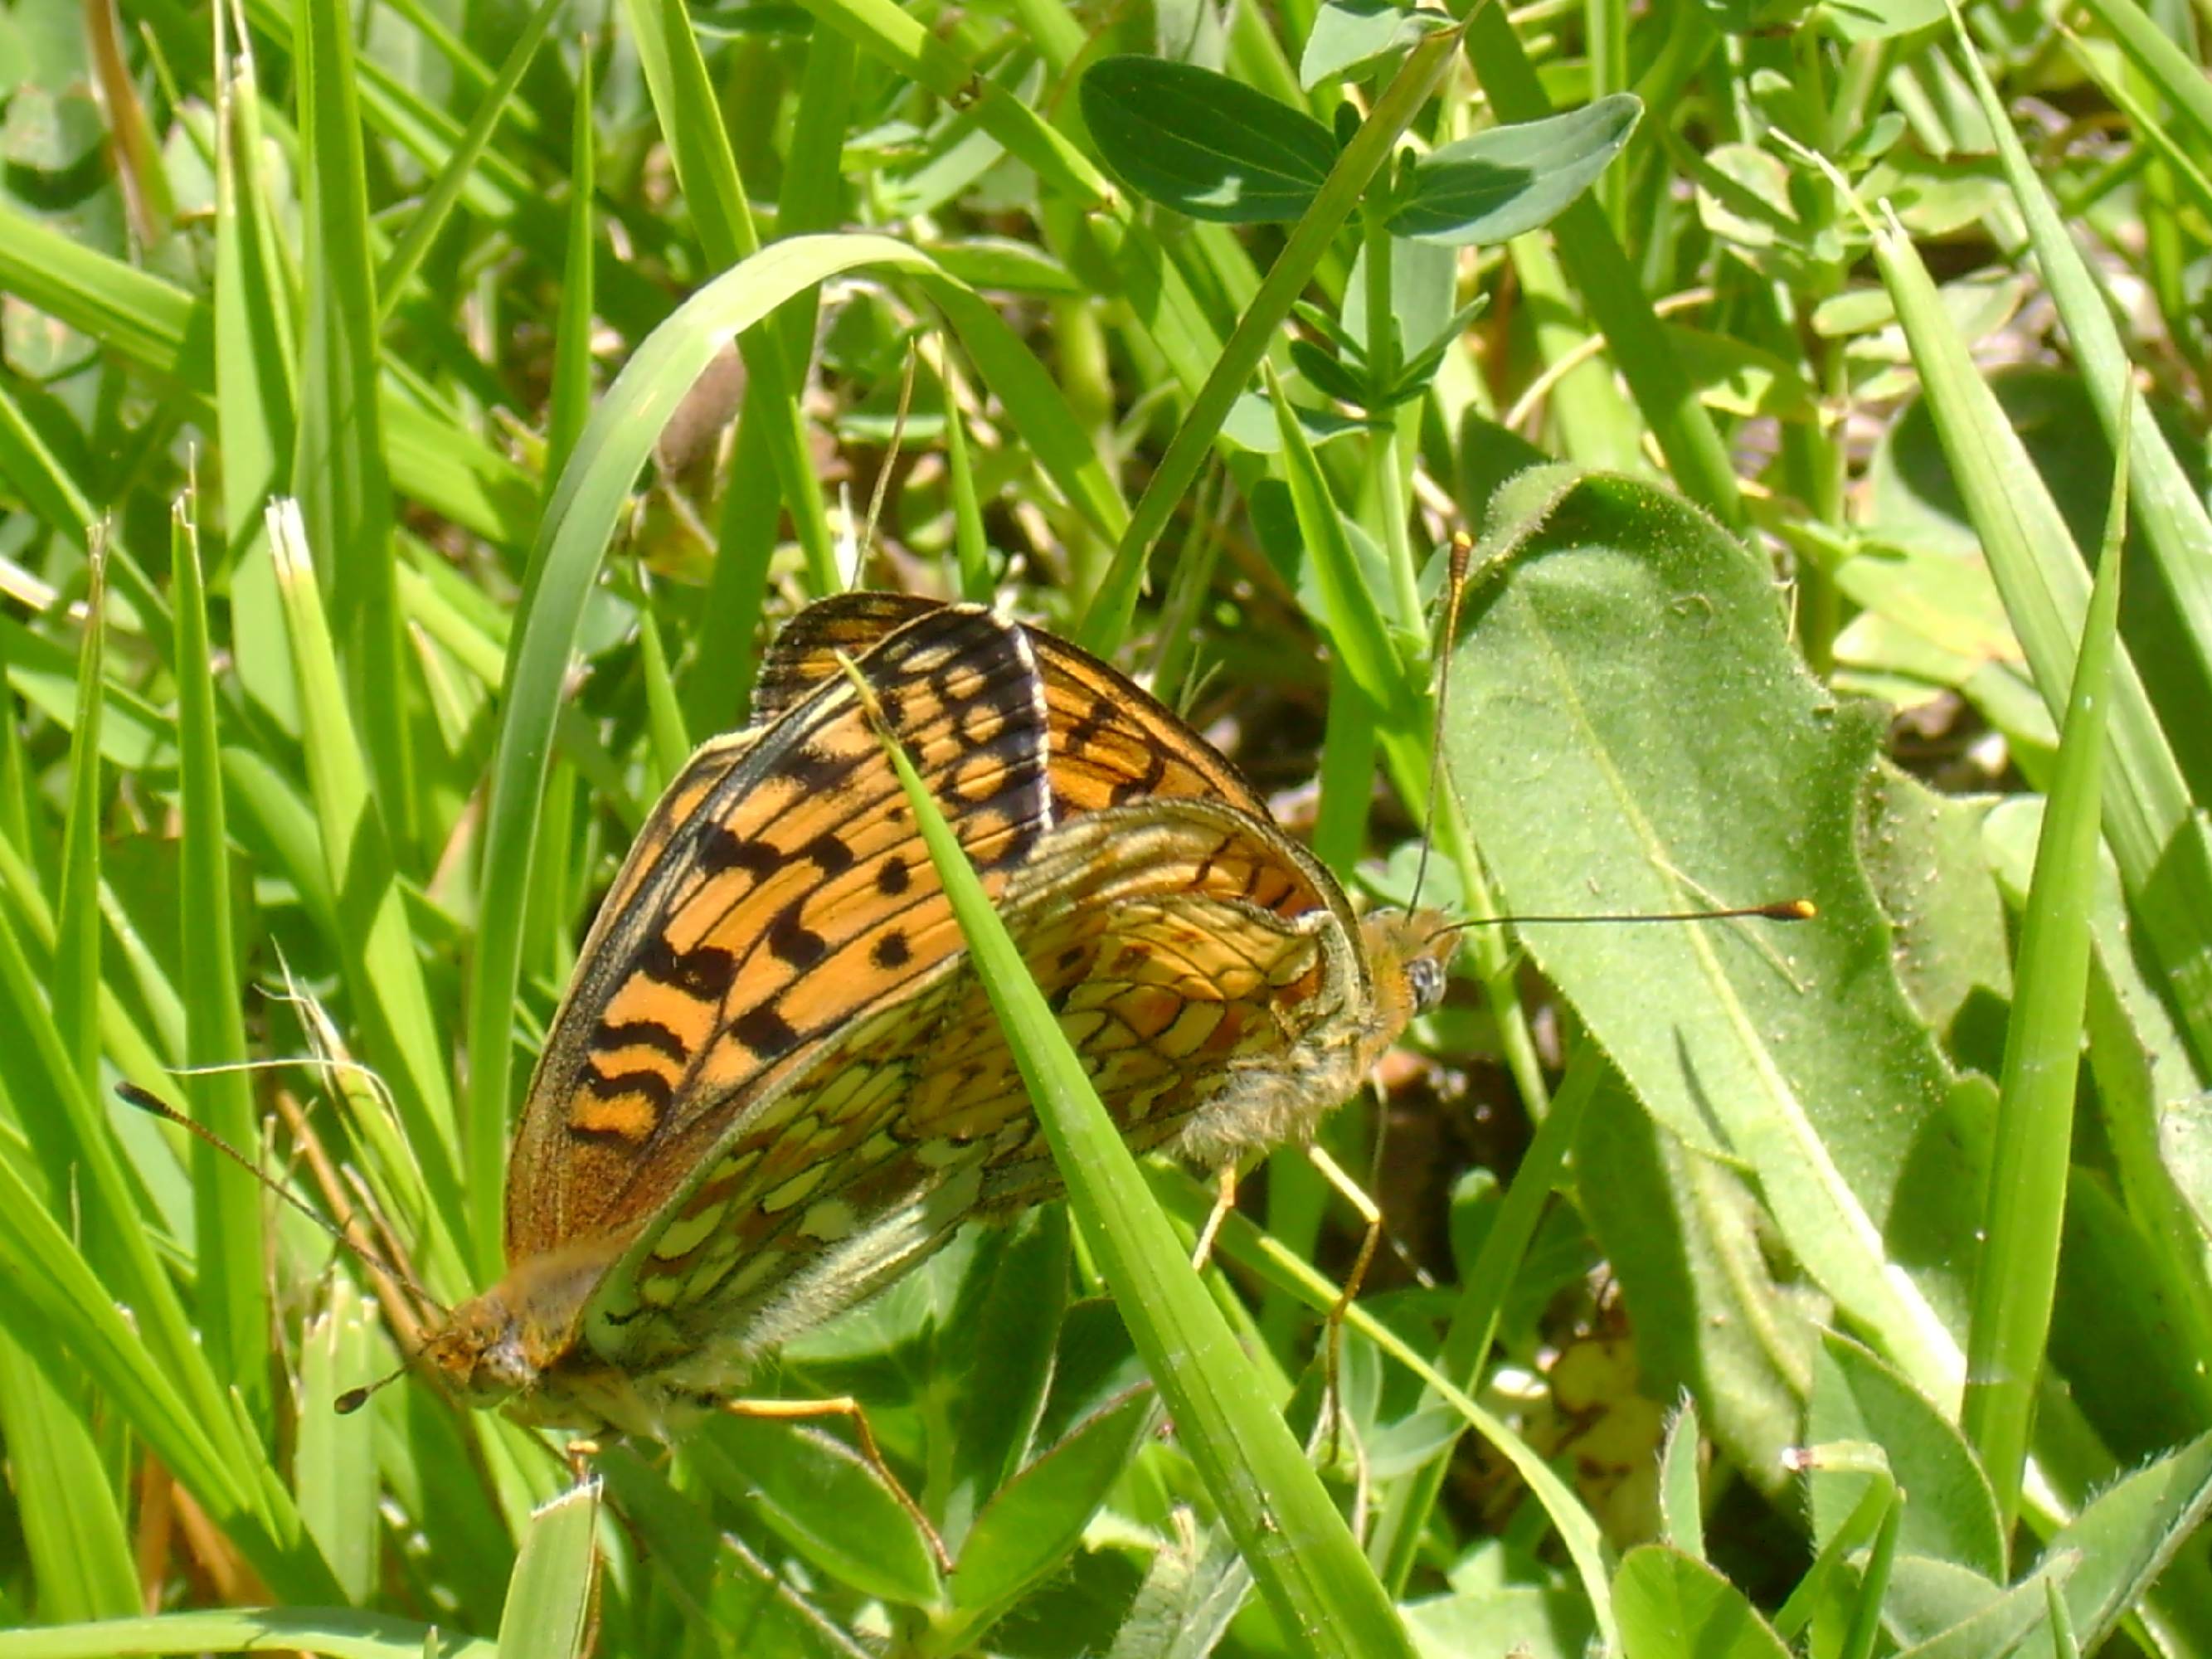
[(1839, 1288)]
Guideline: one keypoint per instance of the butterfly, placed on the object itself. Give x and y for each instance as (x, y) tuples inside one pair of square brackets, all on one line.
[(776, 1082)]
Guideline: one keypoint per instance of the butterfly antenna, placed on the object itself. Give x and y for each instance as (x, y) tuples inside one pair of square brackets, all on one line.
[(882, 488), (353, 1399), (1462, 552), (1796, 909), (146, 1100)]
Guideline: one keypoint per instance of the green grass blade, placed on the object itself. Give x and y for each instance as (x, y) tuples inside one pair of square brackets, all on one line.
[(226, 1205), (707, 168), (2177, 79), (719, 677), (549, 1599), (671, 743), (813, 176), (67, 1504), (76, 940), (1357, 627), (333, 1631), (1608, 286), (441, 466), (1245, 1244), (1036, 407), (334, 1460), (445, 192), (256, 370), (1107, 618), (2026, 1204), (569, 402), (1301, 1553), (338, 470), (1474, 1321), (971, 548), (2169, 514), (2155, 834), (145, 1365), (902, 42), (390, 998)]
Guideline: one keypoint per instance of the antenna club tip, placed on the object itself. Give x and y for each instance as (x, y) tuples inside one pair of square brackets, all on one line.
[(1797, 910), (144, 1099), (350, 1401)]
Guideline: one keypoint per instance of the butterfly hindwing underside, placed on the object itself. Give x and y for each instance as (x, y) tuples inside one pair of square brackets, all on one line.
[(1170, 983)]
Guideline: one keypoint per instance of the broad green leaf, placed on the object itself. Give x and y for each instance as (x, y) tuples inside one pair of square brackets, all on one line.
[(825, 1499), (1672, 1607), (1193, 1587), (1713, 1316), (1349, 37), (1924, 854), (1950, 1512), (1036, 1518), (1626, 667), (2128, 1536), (1194, 140), (1010, 1365), (1488, 189), (2007, 1616), (1511, 1618)]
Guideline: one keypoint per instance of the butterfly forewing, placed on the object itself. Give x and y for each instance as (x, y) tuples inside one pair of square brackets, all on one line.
[(786, 893), (1112, 742)]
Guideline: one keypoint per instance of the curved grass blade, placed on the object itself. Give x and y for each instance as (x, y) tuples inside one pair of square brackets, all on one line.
[(579, 526), (550, 1598), (333, 1631), (1301, 1555)]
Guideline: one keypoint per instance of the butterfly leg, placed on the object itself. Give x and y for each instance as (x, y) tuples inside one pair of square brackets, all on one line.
[(1225, 1200), (792, 1411), (579, 1452), (1365, 1208)]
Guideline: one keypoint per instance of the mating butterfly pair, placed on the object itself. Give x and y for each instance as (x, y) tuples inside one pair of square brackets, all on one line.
[(777, 1084)]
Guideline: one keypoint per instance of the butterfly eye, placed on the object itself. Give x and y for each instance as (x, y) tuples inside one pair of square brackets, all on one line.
[(1425, 978)]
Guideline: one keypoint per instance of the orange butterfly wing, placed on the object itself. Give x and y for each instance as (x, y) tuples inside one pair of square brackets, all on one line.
[(779, 890), (1112, 741)]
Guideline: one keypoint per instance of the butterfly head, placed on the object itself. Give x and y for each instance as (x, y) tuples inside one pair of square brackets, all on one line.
[(480, 1351), (1409, 955), (510, 1346)]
